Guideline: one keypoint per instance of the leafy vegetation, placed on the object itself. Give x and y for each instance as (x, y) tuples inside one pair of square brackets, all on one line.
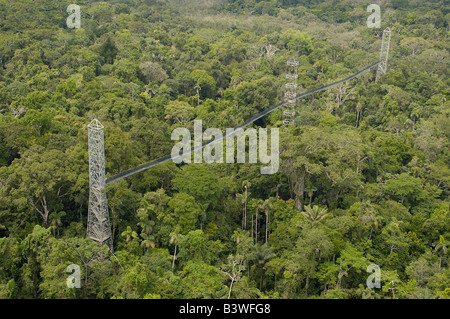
[(364, 176)]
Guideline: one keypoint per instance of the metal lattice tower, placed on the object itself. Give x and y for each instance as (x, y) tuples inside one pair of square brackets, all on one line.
[(290, 91), (384, 53), (98, 224)]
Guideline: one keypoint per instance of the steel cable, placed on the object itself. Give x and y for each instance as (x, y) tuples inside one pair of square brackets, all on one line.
[(236, 129)]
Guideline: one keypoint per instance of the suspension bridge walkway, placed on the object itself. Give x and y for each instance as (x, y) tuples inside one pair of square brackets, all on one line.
[(167, 158)]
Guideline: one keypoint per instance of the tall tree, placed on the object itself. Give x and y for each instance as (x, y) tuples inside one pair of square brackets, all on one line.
[(261, 254), (175, 237), (108, 51)]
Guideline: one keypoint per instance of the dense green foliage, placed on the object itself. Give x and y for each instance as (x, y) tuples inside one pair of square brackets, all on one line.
[(364, 176)]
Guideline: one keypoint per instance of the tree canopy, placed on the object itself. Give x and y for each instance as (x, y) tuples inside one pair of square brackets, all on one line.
[(364, 174)]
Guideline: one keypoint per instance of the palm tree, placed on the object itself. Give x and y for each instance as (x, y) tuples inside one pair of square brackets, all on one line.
[(246, 185), (310, 189), (315, 214), (276, 189), (147, 226), (198, 88), (268, 203), (147, 242), (129, 234), (259, 204), (441, 248), (244, 200), (56, 220), (261, 254), (175, 237)]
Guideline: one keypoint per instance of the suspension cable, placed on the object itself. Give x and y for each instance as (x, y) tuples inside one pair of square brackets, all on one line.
[(236, 129)]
